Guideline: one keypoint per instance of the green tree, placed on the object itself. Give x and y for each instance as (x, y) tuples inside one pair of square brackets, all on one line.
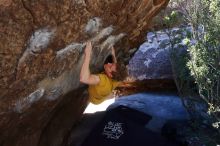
[(204, 62)]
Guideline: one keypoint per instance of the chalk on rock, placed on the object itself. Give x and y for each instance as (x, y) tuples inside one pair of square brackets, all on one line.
[(26, 102), (102, 34), (93, 25), (61, 54), (40, 39), (111, 41), (54, 94)]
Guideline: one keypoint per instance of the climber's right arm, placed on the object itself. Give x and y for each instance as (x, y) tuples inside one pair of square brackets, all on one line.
[(85, 75)]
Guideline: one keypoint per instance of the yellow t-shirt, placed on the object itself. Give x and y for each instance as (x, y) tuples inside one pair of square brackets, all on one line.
[(98, 93)]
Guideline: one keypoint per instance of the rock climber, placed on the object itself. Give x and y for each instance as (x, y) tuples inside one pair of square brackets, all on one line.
[(101, 85)]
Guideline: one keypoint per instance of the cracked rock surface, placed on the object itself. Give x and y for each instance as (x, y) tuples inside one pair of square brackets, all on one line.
[(41, 53)]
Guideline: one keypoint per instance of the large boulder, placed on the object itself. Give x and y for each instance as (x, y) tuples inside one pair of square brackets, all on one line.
[(41, 53), (154, 58)]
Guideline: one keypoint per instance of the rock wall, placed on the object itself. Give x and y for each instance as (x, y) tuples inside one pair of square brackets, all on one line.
[(41, 53)]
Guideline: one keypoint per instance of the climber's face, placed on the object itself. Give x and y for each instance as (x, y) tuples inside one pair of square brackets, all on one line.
[(109, 69)]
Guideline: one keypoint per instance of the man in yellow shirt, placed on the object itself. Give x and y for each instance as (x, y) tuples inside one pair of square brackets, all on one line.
[(101, 85)]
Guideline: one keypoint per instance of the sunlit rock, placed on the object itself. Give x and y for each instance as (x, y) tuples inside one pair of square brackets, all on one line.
[(154, 54)]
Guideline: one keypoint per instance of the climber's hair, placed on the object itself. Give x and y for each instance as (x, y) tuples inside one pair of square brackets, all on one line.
[(109, 59), (121, 72)]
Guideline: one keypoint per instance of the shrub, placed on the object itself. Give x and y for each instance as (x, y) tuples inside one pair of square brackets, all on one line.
[(203, 61)]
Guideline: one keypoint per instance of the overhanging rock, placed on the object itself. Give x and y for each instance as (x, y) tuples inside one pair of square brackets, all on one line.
[(41, 53)]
